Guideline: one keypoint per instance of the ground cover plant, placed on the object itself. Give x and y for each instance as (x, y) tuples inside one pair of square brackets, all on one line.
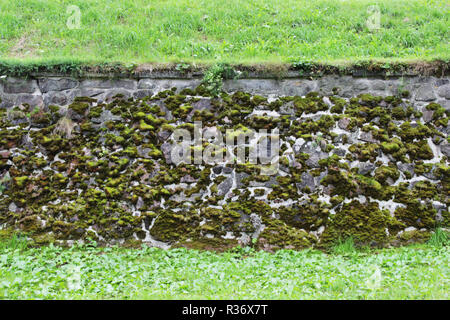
[(344, 272), (236, 31)]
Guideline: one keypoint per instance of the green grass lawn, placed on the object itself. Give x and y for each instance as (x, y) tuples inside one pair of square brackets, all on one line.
[(234, 31), (90, 272)]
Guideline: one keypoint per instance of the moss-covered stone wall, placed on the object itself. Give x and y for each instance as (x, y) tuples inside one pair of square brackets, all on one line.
[(368, 166)]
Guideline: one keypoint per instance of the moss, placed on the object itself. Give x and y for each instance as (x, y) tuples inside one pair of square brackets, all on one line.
[(278, 235), (383, 173), (79, 107), (419, 150), (364, 222), (417, 215), (20, 181), (94, 178)]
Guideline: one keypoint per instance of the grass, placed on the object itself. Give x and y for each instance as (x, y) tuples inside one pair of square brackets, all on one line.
[(90, 272), (233, 31)]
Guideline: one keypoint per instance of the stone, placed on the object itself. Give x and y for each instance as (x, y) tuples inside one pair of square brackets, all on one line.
[(202, 104), (406, 167), (367, 137), (288, 108), (444, 91), (166, 149), (112, 93), (19, 85), (140, 94), (425, 93), (163, 135), (146, 84), (225, 186), (378, 85), (31, 99), (217, 169), (12, 207), (187, 179), (361, 84), (106, 116), (445, 149), (110, 84), (227, 170), (143, 152), (314, 157), (365, 168), (140, 203), (307, 181), (427, 115), (49, 84), (338, 151), (59, 98), (343, 123), (239, 177), (5, 154)]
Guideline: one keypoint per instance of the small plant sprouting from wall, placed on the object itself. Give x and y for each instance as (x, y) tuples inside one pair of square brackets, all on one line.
[(214, 76)]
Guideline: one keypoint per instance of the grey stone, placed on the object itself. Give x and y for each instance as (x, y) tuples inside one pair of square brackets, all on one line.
[(288, 108), (441, 82), (165, 84), (12, 207), (445, 104), (343, 123), (143, 152), (112, 93), (59, 98), (163, 135), (139, 94), (227, 170), (427, 115), (146, 84), (217, 169), (406, 167), (19, 85), (445, 149), (49, 84), (139, 203), (105, 116), (297, 87), (225, 186), (31, 99), (202, 104), (365, 168), (338, 151), (367, 137), (166, 149), (378, 85), (314, 156), (91, 92), (253, 86), (110, 84), (239, 177), (307, 181), (326, 84), (425, 93), (361, 84), (430, 174), (444, 91), (187, 179)]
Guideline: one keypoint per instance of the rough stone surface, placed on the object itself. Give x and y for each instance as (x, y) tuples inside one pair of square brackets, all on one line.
[(101, 167)]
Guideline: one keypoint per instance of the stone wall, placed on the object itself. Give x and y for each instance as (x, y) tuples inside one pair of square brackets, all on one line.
[(62, 90), (360, 157)]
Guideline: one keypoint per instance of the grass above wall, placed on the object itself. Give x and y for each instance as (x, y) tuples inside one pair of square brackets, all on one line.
[(91, 272), (234, 31)]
